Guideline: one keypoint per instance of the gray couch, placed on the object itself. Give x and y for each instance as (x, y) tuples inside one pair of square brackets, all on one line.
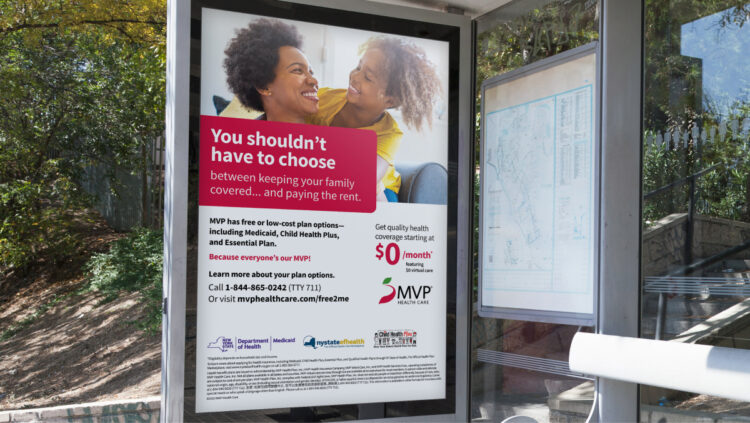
[(425, 183)]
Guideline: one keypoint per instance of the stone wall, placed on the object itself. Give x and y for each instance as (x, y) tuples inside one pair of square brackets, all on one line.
[(664, 243), (145, 410), (656, 414), (716, 235)]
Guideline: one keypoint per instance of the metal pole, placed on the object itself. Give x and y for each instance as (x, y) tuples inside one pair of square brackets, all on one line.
[(175, 210), (620, 223), (660, 316), (690, 222)]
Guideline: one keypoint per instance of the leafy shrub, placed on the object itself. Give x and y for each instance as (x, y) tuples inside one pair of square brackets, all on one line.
[(133, 263), (36, 218)]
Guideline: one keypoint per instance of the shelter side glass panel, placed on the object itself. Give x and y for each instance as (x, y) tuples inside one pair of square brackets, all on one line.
[(695, 264), (519, 353)]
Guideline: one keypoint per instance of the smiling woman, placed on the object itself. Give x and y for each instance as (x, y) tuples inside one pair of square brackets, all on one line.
[(267, 72)]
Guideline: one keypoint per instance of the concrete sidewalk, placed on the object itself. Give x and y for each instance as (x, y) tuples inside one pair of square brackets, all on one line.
[(145, 410)]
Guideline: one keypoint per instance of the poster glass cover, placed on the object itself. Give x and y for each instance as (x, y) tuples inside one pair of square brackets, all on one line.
[(322, 241)]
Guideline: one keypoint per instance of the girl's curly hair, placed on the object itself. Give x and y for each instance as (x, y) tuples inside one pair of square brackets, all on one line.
[(411, 78), (252, 56)]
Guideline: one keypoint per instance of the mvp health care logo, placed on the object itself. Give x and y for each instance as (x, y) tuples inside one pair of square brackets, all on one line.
[(406, 294)]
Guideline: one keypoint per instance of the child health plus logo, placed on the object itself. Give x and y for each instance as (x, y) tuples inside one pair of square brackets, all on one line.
[(408, 294)]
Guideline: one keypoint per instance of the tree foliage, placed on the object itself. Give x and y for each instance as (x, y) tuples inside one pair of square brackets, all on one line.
[(137, 21), (82, 84), (542, 32)]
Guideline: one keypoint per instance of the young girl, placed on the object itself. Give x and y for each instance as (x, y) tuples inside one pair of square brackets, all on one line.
[(391, 74)]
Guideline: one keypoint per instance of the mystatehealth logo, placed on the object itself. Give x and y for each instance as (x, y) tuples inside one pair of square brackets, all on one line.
[(312, 342), (406, 294)]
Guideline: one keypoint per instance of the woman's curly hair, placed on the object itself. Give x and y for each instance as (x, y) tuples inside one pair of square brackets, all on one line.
[(411, 78), (252, 56)]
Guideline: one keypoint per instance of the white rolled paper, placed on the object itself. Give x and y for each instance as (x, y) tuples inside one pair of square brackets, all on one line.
[(703, 369)]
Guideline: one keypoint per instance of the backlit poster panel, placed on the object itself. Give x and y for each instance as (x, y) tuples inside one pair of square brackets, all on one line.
[(322, 241)]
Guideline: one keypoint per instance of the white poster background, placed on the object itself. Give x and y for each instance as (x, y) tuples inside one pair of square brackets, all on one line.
[(358, 275)]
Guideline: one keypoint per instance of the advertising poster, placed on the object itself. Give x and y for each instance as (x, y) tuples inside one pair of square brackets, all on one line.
[(322, 215)]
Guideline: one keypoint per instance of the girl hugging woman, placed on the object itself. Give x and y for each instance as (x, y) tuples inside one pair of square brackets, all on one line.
[(391, 74)]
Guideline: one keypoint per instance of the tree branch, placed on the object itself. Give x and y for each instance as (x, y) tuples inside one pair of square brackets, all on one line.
[(121, 31), (84, 22)]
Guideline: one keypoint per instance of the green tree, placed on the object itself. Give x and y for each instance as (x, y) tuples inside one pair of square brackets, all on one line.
[(82, 84), (139, 20), (540, 33)]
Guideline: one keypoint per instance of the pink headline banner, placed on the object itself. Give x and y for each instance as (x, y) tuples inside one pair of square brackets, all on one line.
[(260, 164)]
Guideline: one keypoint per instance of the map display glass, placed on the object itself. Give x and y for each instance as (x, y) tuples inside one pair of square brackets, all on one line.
[(538, 202)]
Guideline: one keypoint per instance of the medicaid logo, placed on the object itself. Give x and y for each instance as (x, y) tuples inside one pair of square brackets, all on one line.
[(312, 342), (405, 294)]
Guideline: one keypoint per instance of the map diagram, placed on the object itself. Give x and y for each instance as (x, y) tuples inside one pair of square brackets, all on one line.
[(518, 184), (537, 194)]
